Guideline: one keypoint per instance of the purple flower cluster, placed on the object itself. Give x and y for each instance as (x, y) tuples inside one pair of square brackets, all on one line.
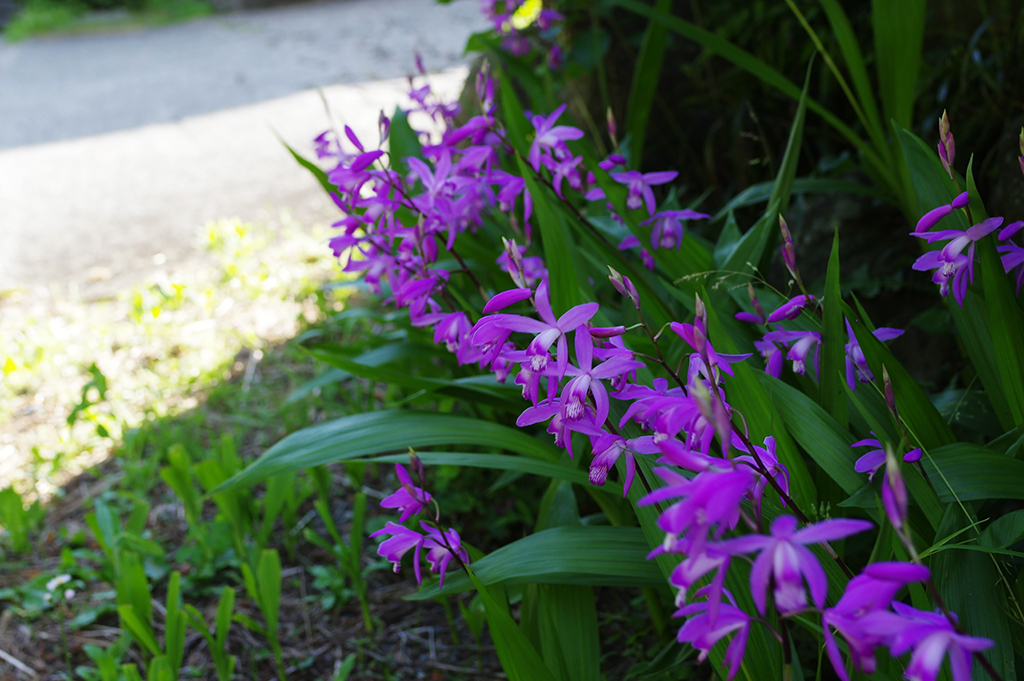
[(574, 375), (953, 268)]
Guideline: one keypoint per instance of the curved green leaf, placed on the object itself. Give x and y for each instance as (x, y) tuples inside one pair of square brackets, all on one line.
[(501, 462), (968, 472), (356, 436), (572, 554)]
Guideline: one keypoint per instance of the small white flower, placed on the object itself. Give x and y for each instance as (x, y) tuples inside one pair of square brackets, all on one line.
[(57, 581), (69, 594)]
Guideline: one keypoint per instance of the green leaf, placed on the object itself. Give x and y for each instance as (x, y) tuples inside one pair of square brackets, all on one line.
[(353, 437), (174, 624), (646, 75), (971, 472), (770, 76), (555, 237), (222, 621), (833, 343), (1005, 322), (783, 188), (1004, 531), (918, 413), (568, 618), (592, 555), (899, 35), (501, 462), (268, 582), (519, 658), (820, 435), (972, 588), (402, 142), (140, 631), (753, 398), (759, 193)]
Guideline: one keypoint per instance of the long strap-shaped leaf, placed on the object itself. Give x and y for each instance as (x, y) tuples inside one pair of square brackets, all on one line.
[(352, 437)]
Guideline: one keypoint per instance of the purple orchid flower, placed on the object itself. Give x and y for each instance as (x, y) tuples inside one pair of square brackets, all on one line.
[(775, 469), (439, 555), (550, 135), (703, 631), (607, 449), (409, 499), (587, 378), (802, 344), (710, 505), (931, 636), (548, 329), (1013, 257), (668, 227), (784, 560), (873, 461), (791, 309), (871, 591), (857, 368), (932, 217), (639, 185), (401, 541)]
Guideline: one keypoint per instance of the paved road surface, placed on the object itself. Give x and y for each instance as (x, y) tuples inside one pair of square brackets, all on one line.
[(115, 148)]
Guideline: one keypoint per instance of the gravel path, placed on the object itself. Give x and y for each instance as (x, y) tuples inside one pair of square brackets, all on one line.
[(116, 148)]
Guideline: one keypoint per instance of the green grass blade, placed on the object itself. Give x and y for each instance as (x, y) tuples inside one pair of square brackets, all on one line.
[(770, 76), (140, 630), (645, 82), (832, 398), (353, 437), (268, 582), (759, 193), (519, 658), (899, 34)]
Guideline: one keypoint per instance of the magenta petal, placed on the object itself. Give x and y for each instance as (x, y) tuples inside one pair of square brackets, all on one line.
[(815, 576), (932, 217), (961, 201), (1010, 229), (759, 576), (506, 298), (830, 530)]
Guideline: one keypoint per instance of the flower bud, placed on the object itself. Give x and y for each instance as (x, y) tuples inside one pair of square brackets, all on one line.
[(384, 124), (947, 146), (890, 395), (417, 465), (613, 129), (700, 321), (625, 287), (788, 250), (894, 492)]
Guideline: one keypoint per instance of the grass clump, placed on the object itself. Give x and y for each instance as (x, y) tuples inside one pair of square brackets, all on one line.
[(41, 17)]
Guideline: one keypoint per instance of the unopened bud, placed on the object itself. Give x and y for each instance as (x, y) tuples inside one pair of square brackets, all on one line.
[(700, 316), (384, 123), (419, 64), (613, 129), (417, 465), (894, 492), (624, 286), (947, 146), (758, 310), (788, 250), (890, 395)]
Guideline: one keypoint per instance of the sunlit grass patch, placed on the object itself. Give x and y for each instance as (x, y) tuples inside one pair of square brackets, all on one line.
[(76, 376)]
